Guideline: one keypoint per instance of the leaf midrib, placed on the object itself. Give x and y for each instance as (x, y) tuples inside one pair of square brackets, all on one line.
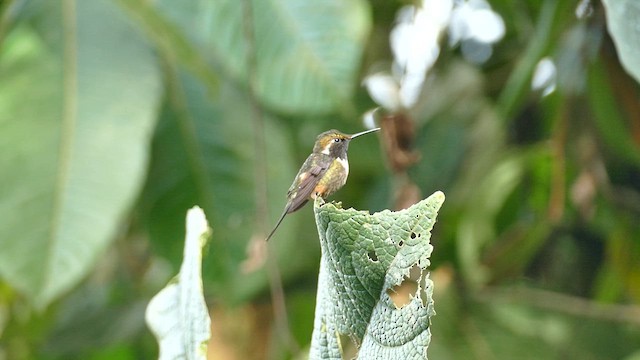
[(308, 52), (67, 131)]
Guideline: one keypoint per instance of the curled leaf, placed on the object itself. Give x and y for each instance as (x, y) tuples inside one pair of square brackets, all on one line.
[(178, 315), (365, 258)]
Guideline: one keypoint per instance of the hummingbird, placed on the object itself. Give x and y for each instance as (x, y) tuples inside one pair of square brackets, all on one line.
[(323, 173)]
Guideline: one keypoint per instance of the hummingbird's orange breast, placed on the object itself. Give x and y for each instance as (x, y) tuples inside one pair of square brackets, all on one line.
[(333, 179)]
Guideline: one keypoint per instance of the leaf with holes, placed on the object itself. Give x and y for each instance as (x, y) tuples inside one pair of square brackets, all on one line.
[(372, 287)]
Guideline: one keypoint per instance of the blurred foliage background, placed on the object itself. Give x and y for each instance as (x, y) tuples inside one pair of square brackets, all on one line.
[(117, 116)]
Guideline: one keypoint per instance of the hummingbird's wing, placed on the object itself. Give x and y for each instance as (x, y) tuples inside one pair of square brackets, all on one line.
[(307, 181), (301, 189)]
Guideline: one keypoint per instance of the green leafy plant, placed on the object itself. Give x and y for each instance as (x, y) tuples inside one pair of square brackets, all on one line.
[(365, 258), (116, 116)]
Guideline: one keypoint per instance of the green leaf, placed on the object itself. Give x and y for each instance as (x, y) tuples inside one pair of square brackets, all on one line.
[(609, 117), (622, 22), (364, 259), (551, 22), (476, 229), (77, 108), (307, 51), (178, 315), (170, 42), (517, 86)]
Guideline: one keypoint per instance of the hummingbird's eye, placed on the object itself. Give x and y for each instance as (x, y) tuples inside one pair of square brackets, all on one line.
[(336, 140)]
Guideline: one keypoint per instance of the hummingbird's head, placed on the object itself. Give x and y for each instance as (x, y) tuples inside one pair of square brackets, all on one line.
[(335, 143)]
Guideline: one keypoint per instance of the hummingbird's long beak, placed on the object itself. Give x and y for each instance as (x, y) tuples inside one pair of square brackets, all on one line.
[(363, 133)]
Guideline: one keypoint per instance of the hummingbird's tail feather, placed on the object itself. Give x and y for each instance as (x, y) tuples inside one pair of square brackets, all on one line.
[(284, 213)]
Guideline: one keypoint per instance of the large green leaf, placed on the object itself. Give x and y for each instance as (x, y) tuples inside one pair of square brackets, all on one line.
[(364, 258), (307, 51), (77, 107), (622, 21)]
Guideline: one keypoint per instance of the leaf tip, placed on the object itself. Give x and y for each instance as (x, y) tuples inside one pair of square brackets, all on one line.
[(438, 195), (437, 198), (197, 224), (196, 220)]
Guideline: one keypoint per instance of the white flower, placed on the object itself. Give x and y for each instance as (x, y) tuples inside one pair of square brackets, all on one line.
[(584, 9), (384, 90), (474, 20), (476, 27), (415, 45), (544, 76), (369, 119)]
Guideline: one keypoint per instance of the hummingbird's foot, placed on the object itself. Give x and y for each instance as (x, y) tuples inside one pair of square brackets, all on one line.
[(319, 199)]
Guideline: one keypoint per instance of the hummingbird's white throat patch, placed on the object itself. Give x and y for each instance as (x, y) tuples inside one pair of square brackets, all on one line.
[(345, 165)]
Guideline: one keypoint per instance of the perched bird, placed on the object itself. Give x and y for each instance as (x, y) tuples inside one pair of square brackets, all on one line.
[(323, 173)]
